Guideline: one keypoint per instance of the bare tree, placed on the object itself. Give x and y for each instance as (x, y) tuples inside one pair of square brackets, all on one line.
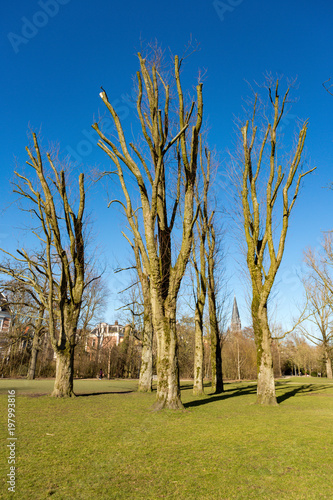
[(216, 337), (27, 313), (264, 251), (62, 263), (155, 240), (139, 306), (319, 292), (200, 268)]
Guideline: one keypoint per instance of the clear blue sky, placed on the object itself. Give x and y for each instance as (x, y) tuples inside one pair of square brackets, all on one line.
[(56, 54)]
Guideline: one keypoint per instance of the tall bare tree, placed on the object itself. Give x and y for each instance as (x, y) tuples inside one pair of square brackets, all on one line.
[(63, 261), (151, 180), (213, 308), (264, 251), (200, 268)]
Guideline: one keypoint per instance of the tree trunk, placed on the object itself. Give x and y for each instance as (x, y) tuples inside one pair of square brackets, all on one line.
[(328, 364), (35, 344), (198, 357), (146, 369), (238, 362), (33, 360), (266, 385), (168, 387), (216, 354), (109, 361), (217, 378), (63, 385)]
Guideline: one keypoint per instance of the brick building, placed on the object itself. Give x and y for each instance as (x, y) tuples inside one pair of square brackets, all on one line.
[(104, 336)]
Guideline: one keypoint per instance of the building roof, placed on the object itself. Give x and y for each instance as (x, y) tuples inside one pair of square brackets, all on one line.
[(3, 303)]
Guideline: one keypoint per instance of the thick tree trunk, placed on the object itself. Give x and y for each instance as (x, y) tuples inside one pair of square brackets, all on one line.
[(63, 385), (266, 385), (198, 357), (33, 361), (328, 364), (146, 369), (168, 387)]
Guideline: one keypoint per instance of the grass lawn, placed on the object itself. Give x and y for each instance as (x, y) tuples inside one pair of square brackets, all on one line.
[(108, 444)]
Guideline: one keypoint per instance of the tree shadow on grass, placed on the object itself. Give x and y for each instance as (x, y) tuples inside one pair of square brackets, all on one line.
[(309, 389), (101, 393), (229, 393), (186, 386)]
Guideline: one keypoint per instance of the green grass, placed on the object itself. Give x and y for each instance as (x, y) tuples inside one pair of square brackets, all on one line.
[(108, 444)]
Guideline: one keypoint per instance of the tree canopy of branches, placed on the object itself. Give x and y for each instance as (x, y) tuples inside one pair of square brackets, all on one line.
[(61, 261), (27, 315), (264, 252), (319, 292), (158, 220)]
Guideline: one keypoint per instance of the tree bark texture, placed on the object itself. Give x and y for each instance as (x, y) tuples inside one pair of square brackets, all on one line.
[(266, 385), (328, 363), (63, 385), (198, 389), (215, 341), (146, 369), (33, 361)]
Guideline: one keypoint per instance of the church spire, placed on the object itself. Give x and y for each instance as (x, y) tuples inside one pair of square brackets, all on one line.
[(235, 319)]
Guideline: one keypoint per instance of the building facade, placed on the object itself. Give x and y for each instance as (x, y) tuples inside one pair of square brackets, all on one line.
[(104, 336)]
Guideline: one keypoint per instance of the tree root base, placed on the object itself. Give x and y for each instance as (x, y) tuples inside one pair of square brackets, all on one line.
[(167, 405)]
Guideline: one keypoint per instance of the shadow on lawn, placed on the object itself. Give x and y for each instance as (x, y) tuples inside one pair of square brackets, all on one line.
[(309, 389), (100, 393), (229, 393), (189, 385)]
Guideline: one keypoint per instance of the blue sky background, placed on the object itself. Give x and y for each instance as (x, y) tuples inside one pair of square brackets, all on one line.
[(56, 54)]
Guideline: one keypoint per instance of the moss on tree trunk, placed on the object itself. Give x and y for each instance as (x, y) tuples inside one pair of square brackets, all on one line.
[(63, 385), (146, 370), (168, 387), (266, 385)]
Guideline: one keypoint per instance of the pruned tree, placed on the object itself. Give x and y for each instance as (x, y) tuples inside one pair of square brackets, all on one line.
[(62, 261), (154, 236), (200, 268), (213, 308), (264, 251)]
